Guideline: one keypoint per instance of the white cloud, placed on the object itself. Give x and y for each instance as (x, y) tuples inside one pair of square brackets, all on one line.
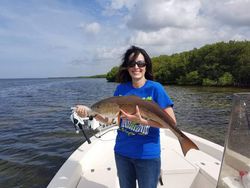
[(118, 4), (175, 25), (91, 28), (113, 7), (232, 13), (151, 16), (109, 53), (172, 40)]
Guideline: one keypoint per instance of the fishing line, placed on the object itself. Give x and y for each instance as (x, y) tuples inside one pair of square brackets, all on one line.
[(103, 134)]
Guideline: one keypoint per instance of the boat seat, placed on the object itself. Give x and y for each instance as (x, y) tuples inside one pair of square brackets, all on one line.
[(175, 168), (209, 166)]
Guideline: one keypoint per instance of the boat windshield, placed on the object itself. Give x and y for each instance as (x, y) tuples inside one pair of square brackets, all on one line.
[(235, 168)]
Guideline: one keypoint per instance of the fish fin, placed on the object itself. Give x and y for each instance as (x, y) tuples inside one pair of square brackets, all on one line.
[(119, 118)]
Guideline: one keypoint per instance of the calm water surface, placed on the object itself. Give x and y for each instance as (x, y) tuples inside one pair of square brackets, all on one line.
[(36, 135)]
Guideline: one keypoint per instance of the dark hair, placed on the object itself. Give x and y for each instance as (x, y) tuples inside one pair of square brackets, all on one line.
[(123, 74)]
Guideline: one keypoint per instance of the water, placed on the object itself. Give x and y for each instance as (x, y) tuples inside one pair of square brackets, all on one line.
[(36, 135)]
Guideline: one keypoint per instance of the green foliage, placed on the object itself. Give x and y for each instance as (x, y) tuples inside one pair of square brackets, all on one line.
[(111, 75), (226, 79), (163, 75), (219, 64), (191, 78), (208, 82), (98, 76)]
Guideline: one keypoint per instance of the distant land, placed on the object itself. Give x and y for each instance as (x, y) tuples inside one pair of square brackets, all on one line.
[(93, 76)]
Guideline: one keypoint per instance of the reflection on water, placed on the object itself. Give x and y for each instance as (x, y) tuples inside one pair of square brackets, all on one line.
[(36, 134)]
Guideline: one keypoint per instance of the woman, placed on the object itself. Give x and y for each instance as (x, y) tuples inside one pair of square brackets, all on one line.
[(137, 148)]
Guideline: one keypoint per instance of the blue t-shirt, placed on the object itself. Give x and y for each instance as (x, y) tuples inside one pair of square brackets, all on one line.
[(140, 141)]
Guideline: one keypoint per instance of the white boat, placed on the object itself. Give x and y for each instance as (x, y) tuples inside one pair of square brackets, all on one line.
[(93, 165)]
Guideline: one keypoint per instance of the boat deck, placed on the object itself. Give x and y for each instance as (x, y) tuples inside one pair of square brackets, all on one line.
[(100, 171), (95, 165)]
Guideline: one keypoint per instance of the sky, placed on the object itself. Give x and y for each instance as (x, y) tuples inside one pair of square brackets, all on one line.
[(68, 38)]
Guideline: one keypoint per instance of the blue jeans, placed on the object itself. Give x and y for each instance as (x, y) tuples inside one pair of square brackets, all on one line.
[(145, 171)]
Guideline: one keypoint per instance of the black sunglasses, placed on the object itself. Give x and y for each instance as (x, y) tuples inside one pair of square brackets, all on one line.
[(138, 63)]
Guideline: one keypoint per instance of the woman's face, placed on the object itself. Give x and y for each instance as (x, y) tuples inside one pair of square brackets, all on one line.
[(137, 72)]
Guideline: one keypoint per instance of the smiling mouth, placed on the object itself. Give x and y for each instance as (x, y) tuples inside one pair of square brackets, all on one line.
[(136, 72)]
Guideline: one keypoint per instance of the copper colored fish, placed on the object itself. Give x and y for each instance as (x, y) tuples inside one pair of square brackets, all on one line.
[(148, 109)]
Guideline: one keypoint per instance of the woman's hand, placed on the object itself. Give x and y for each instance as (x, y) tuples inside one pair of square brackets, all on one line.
[(84, 111), (81, 111), (134, 117)]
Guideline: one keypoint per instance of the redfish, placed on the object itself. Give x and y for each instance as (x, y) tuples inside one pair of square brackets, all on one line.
[(148, 110)]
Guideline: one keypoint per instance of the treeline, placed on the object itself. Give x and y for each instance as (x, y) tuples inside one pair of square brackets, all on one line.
[(219, 64), (95, 76)]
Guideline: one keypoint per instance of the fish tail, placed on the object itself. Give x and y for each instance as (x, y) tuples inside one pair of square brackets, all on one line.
[(186, 144)]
